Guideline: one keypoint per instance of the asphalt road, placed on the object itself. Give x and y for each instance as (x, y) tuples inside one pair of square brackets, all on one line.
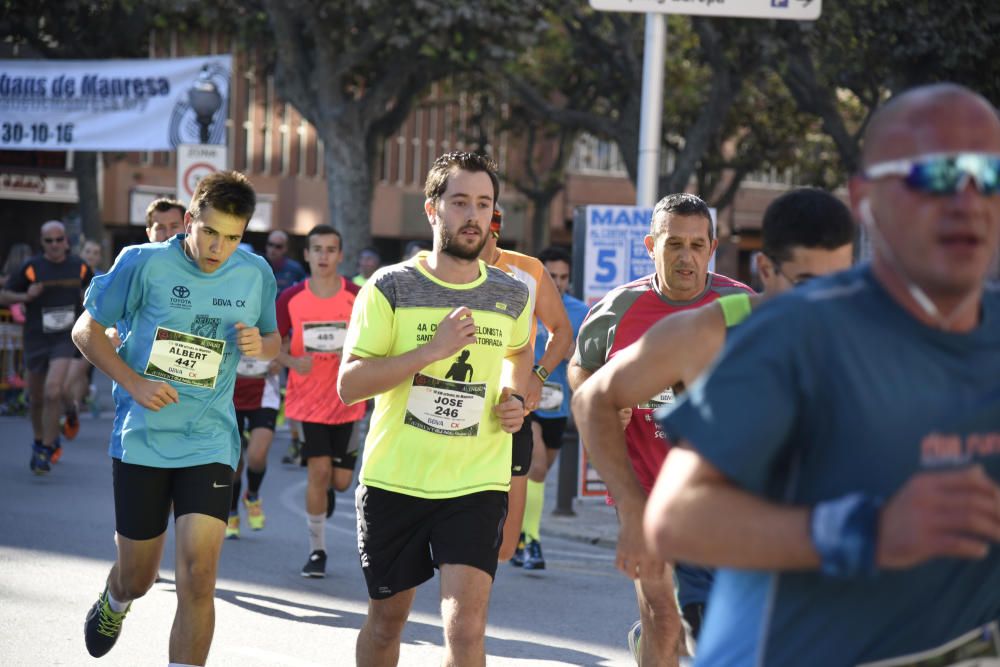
[(56, 546)]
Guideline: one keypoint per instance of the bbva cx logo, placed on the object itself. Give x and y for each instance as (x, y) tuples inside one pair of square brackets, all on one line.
[(181, 292)]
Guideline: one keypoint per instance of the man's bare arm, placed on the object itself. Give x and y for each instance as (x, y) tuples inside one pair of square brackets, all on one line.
[(90, 337), (550, 310), (696, 514)]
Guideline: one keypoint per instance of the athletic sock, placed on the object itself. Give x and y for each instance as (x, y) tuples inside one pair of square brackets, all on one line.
[(116, 606), (254, 480), (234, 502), (533, 503), (317, 534)]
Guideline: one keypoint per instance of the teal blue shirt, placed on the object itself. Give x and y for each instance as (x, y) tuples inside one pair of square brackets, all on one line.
[(178, 324)]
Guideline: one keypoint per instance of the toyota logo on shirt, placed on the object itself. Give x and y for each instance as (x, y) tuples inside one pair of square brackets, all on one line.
[(181, 292)]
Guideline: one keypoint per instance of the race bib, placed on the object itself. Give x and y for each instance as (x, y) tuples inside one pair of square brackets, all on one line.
[(976, 648), (58, 318), (552, 397), (665, 397), (185, 358), (445, 407), (251, 367), (324, 336)]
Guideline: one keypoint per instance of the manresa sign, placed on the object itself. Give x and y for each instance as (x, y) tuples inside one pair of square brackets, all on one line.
[(792, 10)]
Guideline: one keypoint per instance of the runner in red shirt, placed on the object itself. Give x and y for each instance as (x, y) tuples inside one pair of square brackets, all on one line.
[(312, 318), (257, 398), (681, 242)]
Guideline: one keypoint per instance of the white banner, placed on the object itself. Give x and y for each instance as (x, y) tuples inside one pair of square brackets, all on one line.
[(105, 105)]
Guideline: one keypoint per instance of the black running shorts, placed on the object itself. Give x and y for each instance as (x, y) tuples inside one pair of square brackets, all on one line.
[(402, 538), (248, 420), (333, 440), (143, 495), (553, 429), (43, 347), (521, 445)]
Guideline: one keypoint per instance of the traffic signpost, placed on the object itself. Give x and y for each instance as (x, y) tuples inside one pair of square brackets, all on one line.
[(794, 10), (195, 162)]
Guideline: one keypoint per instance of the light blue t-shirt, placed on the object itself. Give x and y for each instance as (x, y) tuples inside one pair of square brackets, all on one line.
[(577, 311), (828, 390), (177, 324)]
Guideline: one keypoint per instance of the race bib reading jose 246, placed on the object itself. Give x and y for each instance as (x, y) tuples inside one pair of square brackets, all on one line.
[(445, 407)]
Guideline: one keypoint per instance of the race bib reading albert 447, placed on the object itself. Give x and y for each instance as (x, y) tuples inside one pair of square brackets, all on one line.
[(185, 358)]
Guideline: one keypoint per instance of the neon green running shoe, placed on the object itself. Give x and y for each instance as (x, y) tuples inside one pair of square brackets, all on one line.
[(103, 625), (255, 512)]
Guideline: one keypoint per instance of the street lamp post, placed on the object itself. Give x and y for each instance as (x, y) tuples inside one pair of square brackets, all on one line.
[(205, 99)]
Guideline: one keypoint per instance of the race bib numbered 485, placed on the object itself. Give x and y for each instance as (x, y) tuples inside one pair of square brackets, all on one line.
[(445, 407), (58, 318), (977, 648), (326, 337), (185, 358)]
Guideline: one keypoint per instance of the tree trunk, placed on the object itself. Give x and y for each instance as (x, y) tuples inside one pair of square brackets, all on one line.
[(349, 191), (539, 225), (85, 170)]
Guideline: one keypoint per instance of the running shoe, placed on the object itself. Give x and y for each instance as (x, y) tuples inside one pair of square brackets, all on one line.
[(533, 559), (331, 500), (316, 565), (518, 558), (71, 425), (103, 625), (233, 527), (293, 455), (40, 459), (634, 639), (255, 512), (55, 451)]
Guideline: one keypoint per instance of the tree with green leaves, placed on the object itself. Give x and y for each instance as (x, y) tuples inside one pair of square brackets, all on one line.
[(354, 70)]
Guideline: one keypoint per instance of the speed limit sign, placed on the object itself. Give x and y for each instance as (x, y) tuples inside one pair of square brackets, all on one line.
[(195, 162)]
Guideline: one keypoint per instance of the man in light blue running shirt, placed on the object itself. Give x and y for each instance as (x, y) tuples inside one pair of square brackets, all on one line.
[(850, 495), (186, 309)]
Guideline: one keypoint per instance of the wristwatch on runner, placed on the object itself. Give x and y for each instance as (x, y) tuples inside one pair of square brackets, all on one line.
[(540, 371)]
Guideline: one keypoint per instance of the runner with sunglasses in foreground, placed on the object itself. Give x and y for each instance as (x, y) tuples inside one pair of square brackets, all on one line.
[(850, 495)]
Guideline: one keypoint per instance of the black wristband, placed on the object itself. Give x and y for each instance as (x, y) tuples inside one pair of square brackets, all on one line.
[(518, 397)]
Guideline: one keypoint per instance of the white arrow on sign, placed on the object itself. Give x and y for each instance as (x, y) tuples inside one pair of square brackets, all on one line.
[(793, 10)]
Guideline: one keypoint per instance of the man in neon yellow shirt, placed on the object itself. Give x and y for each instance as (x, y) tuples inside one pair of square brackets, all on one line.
[(441, 342)]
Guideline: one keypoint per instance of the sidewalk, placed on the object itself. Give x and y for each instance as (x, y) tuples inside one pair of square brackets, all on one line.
[(595, 521)]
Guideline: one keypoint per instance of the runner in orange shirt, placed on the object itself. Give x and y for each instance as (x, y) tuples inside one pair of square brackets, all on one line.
[(312, 318), (547, 307)]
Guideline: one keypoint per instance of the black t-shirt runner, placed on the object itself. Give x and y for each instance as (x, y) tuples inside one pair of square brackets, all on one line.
[(55, 310)]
